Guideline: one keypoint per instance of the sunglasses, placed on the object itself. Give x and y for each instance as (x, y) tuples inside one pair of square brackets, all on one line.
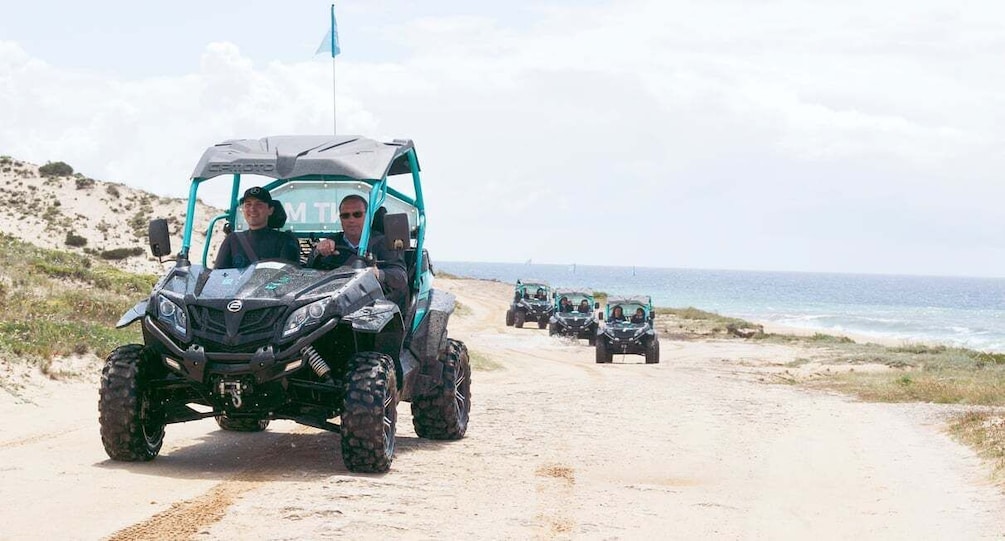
[(357, 214)]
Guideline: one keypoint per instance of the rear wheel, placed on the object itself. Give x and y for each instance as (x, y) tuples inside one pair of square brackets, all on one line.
[(443, 414), (603, 355), (509, 318), (132, 427), (369, 414), (653, 352), (519, 318), (241, 424)]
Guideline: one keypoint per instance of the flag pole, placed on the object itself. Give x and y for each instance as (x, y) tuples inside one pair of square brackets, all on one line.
[(334, 100), (335, 116)]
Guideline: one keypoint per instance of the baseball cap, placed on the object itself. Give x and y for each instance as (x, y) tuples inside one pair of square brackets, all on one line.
[(258, 193)]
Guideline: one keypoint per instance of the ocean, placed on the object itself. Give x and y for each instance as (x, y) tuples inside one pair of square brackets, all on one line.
[(955, 311)]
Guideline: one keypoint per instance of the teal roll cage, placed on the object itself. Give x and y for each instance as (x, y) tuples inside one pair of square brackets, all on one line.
[(645, 302), (379, 191)]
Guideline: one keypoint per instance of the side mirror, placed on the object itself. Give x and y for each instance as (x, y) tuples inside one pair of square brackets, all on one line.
[(396, 234), (160, 237), (596, 305)]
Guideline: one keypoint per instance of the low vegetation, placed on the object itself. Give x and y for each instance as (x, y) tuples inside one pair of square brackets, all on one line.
[(55, 303), (906, 373)]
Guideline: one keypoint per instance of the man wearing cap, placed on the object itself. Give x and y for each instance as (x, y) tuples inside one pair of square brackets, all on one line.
[(260, 241), (342, 249)]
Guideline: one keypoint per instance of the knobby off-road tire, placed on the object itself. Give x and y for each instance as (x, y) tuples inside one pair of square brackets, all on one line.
[(519, 318), (591, 338), (552, 329), (370, 413), (542, 323), (443, 414), (241, 424), (653, 352), (509, 318), (131, 427), (603, 355)]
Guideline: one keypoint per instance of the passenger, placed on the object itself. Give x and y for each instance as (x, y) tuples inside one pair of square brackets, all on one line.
[(639, 316), (564, 305), (260, 241), (342, 249), (617, 314), (584, 307)]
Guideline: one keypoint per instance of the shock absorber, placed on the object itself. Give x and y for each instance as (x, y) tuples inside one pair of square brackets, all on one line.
[(316, 363)]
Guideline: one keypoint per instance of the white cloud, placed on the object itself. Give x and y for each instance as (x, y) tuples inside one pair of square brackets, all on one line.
[(737, 132)]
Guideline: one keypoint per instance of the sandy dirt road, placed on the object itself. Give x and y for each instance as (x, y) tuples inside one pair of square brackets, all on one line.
[(558, 447)]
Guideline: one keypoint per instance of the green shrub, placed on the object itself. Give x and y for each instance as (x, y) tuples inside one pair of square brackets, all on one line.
[(75, 240), (116, 254), (84, 183), (55, 169), (112, 190)]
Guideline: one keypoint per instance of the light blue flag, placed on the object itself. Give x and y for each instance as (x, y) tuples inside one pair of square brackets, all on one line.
[(330, 43)]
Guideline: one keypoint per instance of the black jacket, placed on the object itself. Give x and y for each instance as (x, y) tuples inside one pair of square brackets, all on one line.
[(391, 263), (267, 243)]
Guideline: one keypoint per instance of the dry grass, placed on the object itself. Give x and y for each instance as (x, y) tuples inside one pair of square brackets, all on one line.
[(985, 432)]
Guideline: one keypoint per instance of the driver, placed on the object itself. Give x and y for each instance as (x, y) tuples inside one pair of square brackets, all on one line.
[(243, 248), (639, 316), (617, 314), (584, 307), (540, 293), (342, 249), (564, 305)]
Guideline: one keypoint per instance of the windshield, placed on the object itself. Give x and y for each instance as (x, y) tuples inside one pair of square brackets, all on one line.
[(574, 302), (626, 311), (534, 291), (312, 206)]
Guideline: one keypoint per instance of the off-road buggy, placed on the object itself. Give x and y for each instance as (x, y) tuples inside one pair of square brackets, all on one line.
[(275, 340), (573, 315), (531, 302), (633, 334)]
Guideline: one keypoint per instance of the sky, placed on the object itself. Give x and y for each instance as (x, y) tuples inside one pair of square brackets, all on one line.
[(856, 136)]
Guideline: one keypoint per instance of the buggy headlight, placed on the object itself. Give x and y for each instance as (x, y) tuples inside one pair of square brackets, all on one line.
[(305, 316), (172, 314)]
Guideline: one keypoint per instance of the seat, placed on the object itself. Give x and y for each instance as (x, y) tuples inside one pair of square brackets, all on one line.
[(378, 220), (278, 217)]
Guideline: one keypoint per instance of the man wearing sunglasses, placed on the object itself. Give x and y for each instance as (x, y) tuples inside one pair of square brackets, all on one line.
[(342, 249), (260, 241)]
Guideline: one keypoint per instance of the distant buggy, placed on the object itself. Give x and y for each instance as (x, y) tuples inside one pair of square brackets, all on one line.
[(628, 328), (274, 340), (531, 302), (573, 315)]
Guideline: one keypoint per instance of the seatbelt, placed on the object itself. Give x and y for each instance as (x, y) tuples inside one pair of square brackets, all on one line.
[(248, 250)]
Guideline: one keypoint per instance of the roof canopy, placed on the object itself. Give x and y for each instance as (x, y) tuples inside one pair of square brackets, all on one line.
[(294, 156), (574, 291), (629, 299)]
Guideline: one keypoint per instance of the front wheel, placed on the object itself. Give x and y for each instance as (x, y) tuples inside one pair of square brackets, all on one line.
[(653, 352), (370, 413), (603, 355), (542, 323), (552, 329), (443, 414), (519, 318), (132, 427)]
